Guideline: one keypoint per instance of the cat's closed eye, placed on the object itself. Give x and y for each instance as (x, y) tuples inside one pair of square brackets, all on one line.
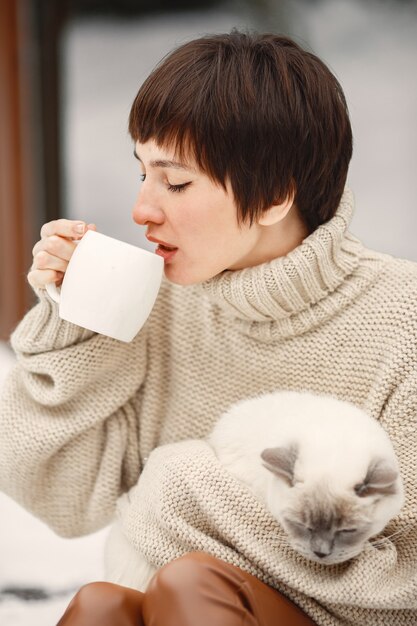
[(347, 530), (297, 526)]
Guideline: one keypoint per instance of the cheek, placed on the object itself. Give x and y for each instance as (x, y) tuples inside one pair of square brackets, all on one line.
[(211, 243), (194, 230), (206, 221)]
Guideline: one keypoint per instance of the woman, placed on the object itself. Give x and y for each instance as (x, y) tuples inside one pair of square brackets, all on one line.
[(243, 144)]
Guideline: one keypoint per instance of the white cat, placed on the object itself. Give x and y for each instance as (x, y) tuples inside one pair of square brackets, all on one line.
[(325, 470)]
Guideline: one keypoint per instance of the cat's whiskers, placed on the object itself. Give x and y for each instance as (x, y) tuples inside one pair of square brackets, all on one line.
[(380, 542)]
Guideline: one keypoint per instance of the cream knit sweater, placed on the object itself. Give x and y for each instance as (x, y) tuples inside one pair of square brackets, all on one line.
[(81, 413)]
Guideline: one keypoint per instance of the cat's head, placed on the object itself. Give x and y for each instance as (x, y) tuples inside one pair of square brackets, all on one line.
[(327, 524)]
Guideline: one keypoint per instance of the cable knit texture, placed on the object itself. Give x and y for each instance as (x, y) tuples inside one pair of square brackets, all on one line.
[(82, 415)]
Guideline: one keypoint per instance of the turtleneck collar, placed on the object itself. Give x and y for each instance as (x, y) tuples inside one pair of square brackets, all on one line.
[(291, 294)]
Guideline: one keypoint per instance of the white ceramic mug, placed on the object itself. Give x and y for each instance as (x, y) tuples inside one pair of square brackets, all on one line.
[(109, 287)]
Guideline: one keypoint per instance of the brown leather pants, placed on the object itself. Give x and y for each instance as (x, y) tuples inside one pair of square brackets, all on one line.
[(194, 590)]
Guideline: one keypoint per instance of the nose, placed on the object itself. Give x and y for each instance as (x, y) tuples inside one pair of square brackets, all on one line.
[(321, 554), (321, 546), (147, 209)]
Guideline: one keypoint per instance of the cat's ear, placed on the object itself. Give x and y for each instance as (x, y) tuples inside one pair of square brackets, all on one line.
[(281, 461), (380, 479)]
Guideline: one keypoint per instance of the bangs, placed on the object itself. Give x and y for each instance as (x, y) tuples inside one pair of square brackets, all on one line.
[(172, 109), (200, 101)]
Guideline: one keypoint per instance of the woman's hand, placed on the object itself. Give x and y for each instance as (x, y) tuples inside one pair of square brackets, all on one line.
[(51, 254)]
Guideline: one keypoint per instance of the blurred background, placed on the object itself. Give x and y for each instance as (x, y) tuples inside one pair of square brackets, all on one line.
[(69, 70)]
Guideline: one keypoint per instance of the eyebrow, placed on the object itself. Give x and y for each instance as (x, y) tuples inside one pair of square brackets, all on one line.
[(166, 163)]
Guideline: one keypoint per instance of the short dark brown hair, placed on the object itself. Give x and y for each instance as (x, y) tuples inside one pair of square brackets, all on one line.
[(258, 110)]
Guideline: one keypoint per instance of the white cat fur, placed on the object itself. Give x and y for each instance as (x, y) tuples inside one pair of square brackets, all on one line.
[(336, 442)]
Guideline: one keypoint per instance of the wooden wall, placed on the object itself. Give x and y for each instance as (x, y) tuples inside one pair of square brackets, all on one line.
[(15, 219), (30, 159)]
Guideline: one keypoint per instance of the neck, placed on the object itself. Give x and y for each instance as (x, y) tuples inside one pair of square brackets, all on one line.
[(278, 240), (291, 231), (299, 291)]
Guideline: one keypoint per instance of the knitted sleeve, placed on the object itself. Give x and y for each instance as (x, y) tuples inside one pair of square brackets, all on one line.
[(69, 421)]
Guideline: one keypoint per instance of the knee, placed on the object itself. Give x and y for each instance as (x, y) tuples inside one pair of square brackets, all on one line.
[(183, 574), (95, 603), (98, 594)]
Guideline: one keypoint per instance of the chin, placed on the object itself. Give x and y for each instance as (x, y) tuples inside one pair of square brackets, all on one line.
[(185, 278), (334, 559)]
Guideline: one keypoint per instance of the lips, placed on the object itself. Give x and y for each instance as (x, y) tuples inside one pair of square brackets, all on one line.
[(166, 253), (164, 249), (163, 244), (168, 248)]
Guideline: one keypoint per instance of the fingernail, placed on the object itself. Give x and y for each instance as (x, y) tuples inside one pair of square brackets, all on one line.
[(79, 229)]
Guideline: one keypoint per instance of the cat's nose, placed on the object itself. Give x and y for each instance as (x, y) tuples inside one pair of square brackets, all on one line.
[(321, 554)]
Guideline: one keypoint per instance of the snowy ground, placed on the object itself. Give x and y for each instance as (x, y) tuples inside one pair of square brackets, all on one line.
[(373, 52), (39, 571)]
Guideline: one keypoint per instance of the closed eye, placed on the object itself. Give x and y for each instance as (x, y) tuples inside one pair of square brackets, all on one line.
[(178, 188), (297, 525), (348, 530), (173, 188)]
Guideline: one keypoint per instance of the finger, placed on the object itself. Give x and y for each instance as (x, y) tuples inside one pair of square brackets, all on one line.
[(57, 246), (45, 261), (40, 278), (63, 228), (91, 227)]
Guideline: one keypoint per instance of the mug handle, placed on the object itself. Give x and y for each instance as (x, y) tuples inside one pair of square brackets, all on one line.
[(54, 292)]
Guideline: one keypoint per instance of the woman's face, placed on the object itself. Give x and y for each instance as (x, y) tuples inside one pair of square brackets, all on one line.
[(184, 209)]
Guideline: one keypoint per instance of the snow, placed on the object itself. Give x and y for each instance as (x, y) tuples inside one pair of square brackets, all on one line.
[(33, 557)]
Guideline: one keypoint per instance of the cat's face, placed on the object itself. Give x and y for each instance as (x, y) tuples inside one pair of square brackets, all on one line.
[(325, 524), (323, 527)]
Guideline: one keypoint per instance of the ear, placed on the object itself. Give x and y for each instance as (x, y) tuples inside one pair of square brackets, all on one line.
[(380, 479), (281, 462), (276, 212)]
